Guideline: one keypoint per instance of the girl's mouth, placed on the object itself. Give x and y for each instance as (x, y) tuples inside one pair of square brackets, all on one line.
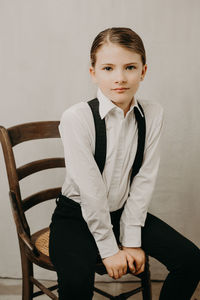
[(120, 89)]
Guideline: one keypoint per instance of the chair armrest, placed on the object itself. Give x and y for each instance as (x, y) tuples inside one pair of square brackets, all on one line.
[(27, 241)]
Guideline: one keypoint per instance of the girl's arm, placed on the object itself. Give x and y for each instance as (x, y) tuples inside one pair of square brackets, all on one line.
[(83, 170), (135, 210)]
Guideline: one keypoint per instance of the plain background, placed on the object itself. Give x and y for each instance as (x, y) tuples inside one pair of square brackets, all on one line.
[(44, 69)]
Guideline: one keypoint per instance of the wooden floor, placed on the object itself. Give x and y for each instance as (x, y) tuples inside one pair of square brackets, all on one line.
[(10, 289)]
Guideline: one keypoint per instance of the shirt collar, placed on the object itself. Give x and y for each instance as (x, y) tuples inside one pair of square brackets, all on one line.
[(106, 105)]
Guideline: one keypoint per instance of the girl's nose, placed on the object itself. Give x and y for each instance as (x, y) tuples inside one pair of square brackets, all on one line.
[(120, 77)]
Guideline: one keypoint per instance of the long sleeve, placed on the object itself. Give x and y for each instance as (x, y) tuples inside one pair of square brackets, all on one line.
[(84, 172), (135, 210)]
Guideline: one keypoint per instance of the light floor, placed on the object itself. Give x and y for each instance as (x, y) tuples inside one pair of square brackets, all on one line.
[(10, 289)]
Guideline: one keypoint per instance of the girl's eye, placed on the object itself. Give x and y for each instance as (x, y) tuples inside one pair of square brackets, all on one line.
[(128, 67), (107, 68), (131, 67)]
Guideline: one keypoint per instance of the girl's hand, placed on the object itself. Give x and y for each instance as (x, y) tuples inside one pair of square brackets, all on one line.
[(137, 258), (116, 265)]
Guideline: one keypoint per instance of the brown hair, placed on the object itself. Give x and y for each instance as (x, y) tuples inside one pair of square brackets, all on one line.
[(125, 37)]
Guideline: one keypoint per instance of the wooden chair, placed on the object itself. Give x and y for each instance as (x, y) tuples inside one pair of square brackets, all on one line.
[(34, 247)]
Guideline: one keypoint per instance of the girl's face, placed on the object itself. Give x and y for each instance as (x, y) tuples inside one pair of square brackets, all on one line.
[(118, 72)]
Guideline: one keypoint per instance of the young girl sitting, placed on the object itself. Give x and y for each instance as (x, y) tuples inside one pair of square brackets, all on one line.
[(111, 169)]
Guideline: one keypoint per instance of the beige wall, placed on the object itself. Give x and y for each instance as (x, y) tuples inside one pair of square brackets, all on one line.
[(44, 61)]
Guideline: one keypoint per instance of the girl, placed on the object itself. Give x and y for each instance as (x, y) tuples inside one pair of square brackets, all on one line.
[(103, 207)]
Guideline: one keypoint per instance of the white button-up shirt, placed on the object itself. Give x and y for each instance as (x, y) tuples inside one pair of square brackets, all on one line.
[(99, 194)]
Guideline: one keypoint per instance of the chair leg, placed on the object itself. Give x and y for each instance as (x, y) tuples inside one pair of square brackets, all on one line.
[(146, 282), (27, 272), (27, 285)]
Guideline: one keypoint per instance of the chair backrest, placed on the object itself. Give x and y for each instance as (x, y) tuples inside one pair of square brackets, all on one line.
[(13, 136)]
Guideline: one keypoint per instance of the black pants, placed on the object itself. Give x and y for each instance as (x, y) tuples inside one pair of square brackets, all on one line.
[(73, 252)]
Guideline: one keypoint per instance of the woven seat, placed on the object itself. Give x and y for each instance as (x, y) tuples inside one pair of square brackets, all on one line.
[(41, 241), (34, 248)]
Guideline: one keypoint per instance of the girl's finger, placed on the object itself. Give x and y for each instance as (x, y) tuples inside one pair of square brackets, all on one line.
[(140, 270), (131, 263), (115, 274), (143, 267), (120, 272), (110, 272), (138, 266), (125, 270)]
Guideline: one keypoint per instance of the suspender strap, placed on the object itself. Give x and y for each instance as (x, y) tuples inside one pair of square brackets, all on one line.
[(100, 141), (141, 141)]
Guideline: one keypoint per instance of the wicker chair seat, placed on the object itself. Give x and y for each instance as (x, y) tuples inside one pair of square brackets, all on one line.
[(40, 239)]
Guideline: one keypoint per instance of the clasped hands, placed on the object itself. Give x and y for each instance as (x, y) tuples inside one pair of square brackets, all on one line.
[(117, 264)]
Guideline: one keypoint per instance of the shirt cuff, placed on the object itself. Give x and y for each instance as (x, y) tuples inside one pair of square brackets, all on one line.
[(130, 235), (108, 247)]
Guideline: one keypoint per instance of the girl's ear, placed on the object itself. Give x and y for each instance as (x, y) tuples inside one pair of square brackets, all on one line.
[(92, 73), (144, 70)]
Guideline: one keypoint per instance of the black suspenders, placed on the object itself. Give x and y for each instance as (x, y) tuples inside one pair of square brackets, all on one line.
[(141, 141), (100, 141)]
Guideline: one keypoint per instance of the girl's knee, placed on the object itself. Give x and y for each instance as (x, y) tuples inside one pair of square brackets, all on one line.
[(190, 258), (194, 258)]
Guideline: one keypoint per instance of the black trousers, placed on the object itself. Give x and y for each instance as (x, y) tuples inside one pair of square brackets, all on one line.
[(73, 252)]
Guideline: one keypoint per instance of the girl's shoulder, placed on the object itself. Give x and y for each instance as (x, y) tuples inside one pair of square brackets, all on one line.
[(152, 109), (77, 112)]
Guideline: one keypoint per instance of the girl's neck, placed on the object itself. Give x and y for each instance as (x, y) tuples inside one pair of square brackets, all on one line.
[(124, 106)]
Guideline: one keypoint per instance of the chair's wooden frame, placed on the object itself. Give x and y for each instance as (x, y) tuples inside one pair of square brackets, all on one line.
[(29, 253)]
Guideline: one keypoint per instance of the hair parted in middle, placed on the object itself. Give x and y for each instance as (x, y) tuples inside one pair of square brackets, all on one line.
[(123, 36)]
